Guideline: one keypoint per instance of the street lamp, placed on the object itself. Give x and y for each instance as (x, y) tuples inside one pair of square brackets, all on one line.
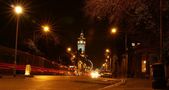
[(69, 49), (46, 28), (43, 29), (73, 56), (114, 31), (108, 58), (18, 10), (107, 50)]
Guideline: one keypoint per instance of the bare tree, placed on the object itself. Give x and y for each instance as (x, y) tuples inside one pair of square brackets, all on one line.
[(134, 16), (134, 12)]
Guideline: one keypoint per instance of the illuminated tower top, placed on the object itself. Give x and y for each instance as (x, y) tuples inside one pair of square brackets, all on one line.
[(81, 43)]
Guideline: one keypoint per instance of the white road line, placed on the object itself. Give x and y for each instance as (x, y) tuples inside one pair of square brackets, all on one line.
[(122, 81)]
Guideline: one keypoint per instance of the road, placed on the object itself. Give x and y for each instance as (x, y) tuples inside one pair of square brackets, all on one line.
[(53, 83)]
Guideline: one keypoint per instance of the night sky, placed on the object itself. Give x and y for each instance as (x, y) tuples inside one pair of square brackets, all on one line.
[(67, 19)]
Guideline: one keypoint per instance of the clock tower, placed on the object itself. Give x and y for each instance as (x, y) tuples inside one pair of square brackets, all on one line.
[(81, 43)]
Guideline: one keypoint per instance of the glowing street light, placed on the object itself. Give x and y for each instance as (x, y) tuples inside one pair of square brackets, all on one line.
[(113, 30), (144, 61), (46, 28), (103, 64), (73, 56), (107, 50), (69, 49), (18, 10)]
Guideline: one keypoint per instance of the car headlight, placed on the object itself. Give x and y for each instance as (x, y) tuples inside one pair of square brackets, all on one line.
[(95, 74)]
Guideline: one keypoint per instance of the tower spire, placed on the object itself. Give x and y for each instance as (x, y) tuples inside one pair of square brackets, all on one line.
[(81, 42), (82, 34)]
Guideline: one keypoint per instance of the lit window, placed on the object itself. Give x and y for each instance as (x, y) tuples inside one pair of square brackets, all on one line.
[(143, 69)]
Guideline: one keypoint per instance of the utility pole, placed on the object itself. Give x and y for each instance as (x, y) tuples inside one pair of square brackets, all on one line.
[(161, 34)]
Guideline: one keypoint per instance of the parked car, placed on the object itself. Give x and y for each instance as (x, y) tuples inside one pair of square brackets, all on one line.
[(106, 74)]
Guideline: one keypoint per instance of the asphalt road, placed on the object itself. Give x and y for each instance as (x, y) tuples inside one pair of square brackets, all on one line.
[(53, 83)]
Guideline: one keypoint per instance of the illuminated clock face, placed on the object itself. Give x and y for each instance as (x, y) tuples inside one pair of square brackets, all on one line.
[(82, 47)]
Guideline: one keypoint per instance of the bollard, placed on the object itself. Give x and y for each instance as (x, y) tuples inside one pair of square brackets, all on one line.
[(28, 70)]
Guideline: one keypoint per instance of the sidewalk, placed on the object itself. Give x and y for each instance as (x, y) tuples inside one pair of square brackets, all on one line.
[(132, 84)]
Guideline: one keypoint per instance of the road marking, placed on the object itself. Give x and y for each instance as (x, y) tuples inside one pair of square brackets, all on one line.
[(122, 81)]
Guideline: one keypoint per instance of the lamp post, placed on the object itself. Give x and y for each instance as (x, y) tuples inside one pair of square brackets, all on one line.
[(18, 10), (161, 33), (72, 56), (108, 58), (44, 29), (69, 49), (114, 31)]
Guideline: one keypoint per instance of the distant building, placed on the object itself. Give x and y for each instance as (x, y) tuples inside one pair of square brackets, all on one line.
[(81, 43), (83, 63)]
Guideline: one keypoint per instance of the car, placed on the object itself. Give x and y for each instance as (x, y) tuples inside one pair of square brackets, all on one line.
[(106, 74)]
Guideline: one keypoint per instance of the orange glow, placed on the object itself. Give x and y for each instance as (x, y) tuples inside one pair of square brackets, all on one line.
[(18, 9), (113, 30), (44, 77), (143, 69), (28, 70), (106, 60), (104, 65), (95, 74), (144, 62), (107, 50), (46, 28), (74, 56), (69, 49)]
